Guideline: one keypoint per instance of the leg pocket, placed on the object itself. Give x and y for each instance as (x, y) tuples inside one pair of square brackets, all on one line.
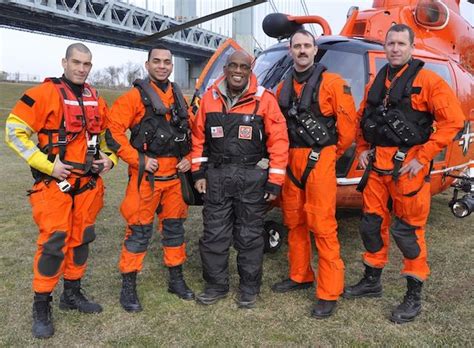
[(214, 186), (254, 185)]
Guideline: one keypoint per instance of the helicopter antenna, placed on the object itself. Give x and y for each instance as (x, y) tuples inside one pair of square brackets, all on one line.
[(305, 10), (272, 4)]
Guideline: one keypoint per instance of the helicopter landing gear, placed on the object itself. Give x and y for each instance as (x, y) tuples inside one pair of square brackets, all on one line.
[(274, 236)]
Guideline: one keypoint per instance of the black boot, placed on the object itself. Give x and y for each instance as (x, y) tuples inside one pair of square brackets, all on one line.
[(368, 286), (212, 294), (246, 300), (177, 285), (128, 294), (323, 309), (73, 298), (411, 305), (290, 285), (42, 318)]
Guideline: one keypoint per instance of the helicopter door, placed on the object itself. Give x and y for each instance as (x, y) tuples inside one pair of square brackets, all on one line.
[(213, 70)]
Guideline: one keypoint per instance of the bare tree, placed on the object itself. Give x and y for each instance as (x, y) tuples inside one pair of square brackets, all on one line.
[(131, 72), (113, 74)]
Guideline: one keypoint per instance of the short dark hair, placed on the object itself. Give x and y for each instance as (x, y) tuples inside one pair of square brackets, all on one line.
[(400, 28), (77, 46), (157, 47), (304, 32)]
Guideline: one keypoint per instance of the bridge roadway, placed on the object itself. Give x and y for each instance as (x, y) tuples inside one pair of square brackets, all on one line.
[(111, 22)]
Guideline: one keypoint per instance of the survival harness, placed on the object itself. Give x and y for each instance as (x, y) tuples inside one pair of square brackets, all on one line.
[(389, 119), (155, 136), (307, 126), (79, 113)]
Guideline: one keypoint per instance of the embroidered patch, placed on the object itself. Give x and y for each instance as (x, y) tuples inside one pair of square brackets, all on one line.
[(217, 132), (27, 100), (245, 132), (86, 92)]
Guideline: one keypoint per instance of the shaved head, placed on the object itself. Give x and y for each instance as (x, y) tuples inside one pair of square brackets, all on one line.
[(80, 47), (239, 55)]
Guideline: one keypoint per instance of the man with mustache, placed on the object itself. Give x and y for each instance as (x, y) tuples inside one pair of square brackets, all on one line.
[(155, 112), (70, 119), (238, 124), (396, 144), (321, 116)]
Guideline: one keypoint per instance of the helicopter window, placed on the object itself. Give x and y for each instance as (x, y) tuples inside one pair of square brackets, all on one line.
[(351, 66), (271, 66), (439, 68)]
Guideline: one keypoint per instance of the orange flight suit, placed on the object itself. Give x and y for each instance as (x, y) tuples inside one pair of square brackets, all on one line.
[(65, 221), (314, 208), (141, 202), (410, 197)]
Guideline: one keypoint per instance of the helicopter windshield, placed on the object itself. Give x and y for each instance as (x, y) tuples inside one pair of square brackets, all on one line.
[(272, 66)]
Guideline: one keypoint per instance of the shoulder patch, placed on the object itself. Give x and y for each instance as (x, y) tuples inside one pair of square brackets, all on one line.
[(347, 90), (416, 90), (27, 100)]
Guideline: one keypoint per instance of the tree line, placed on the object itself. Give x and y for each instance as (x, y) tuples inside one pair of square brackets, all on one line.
[(117, 76)]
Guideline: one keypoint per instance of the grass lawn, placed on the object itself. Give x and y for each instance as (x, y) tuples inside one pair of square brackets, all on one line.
[(279, 320)]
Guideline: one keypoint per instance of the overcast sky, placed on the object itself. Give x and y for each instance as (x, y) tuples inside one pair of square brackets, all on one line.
[(40, 55)]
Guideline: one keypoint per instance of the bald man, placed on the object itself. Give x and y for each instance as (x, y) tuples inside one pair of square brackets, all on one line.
[(238, 124), (67, 164)]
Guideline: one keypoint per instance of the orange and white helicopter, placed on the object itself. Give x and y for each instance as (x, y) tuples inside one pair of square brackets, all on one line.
[(444, 40)]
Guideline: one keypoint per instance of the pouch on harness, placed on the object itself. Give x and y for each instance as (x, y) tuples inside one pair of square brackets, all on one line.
[(307, 126), (154, 135)]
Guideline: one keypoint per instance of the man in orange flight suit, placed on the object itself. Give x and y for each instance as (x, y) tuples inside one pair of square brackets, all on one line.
[(396, 144), (156, 113), (319, 134), (238, 124), (70, 119)]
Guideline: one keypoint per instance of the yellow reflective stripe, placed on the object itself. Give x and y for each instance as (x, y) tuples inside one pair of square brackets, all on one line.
[(17, 137)]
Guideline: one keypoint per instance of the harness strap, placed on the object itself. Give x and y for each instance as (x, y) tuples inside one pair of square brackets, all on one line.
[(365, 177), (313, 158), (150, 97), (398, 160)]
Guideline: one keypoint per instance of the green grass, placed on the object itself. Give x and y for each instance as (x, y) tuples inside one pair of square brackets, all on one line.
[(280, 319)]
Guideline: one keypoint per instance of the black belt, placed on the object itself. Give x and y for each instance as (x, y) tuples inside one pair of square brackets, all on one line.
[(163, 178), (221, 159), (382, 171)]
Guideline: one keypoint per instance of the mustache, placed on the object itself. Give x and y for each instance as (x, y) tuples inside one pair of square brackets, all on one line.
[(303, 55)]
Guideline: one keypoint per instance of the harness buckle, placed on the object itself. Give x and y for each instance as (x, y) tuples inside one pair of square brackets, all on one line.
[(178, 139), (64, 186), (314, 156), (400, 156), (92, 145), (62, 141)]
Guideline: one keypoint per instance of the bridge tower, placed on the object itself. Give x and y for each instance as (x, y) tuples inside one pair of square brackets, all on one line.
[(242, 27), (186, 71)]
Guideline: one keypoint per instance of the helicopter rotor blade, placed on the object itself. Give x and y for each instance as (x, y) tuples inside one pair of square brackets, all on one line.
[(174, 29)]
